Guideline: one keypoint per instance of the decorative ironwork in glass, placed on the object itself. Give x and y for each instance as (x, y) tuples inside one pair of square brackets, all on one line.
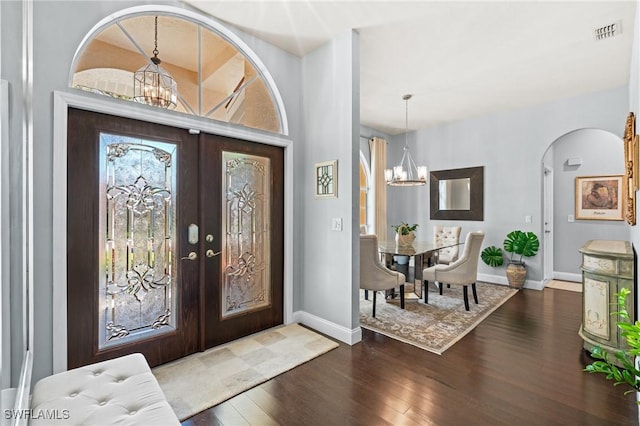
[(246, 273), (137, 220)]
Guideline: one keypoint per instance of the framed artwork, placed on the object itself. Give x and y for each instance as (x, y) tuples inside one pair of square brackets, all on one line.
[(630, 141), (326, 179), (601, 197)]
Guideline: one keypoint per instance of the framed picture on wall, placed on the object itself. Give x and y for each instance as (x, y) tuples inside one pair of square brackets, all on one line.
[(326, 179), (600, 197)]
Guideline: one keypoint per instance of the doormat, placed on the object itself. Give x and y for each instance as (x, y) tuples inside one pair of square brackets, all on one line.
[(565, 285), (202, 380)]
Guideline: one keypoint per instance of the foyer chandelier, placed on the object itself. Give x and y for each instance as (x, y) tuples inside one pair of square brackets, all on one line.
[(406, 173), (152, 84)]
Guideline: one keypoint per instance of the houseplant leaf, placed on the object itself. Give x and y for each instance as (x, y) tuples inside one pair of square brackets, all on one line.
[(512, 243), (492, 256), (525, 244), (530, 244)]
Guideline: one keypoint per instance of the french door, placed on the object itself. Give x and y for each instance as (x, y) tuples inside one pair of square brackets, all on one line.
[(174, 240)]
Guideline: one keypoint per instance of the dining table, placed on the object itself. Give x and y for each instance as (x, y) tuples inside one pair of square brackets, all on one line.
[(424, 253)]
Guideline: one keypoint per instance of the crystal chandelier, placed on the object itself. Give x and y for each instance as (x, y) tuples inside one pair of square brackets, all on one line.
[(152, 84), (406, 173)]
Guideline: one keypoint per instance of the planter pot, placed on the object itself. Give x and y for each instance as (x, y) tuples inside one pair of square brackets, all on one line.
[(516, 275), (405, 240)]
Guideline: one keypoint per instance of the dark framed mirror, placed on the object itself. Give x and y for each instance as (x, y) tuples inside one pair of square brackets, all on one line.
[(457, 194)]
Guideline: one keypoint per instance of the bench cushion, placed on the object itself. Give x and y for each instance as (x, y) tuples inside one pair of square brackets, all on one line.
[(119, 391)]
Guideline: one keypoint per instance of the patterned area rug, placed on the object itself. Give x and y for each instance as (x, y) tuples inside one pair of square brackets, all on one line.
[(437, 326), (205, 379)]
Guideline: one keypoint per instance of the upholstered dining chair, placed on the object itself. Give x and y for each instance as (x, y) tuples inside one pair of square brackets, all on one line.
[(374, 275), (449, 235), (463, 271)]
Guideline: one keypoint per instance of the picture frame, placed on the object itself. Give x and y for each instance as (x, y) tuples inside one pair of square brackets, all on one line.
[(601, 197), (630, 140), (326, 179)]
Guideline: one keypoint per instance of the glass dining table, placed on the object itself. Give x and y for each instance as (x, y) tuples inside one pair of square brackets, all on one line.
[(424, 253)]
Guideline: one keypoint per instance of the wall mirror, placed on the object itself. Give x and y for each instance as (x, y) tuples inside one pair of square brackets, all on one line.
[(457, 194)]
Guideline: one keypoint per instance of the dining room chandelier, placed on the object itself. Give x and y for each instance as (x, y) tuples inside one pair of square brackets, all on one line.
[(406, 173), (152, 84)]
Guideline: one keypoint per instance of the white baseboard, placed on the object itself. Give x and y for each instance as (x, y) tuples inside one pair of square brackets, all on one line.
[(566, 276), (501, 279), (338, 332)]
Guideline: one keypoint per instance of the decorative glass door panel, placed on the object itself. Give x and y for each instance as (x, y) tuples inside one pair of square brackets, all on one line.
[(246, 222), (137, 236)]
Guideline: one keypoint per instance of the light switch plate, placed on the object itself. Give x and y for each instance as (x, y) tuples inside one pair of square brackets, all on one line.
[(570, 218), (336, 224), (527, 219)]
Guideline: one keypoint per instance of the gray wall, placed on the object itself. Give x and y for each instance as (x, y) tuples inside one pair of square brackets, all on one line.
[(602, 153), (510, 146), (331, 131), (11, 27)]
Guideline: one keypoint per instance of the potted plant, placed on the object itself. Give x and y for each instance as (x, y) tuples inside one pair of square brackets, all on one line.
[(517, 243), (622, 370), (404, 233)]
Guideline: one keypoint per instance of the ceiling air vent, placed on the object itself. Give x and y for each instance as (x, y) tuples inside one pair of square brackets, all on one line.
[(608, 31)]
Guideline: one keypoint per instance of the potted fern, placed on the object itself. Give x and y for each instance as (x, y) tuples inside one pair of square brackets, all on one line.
[(519, 244)]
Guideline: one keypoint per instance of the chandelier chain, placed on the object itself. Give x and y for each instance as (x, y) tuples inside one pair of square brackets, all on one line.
[(155, 40)]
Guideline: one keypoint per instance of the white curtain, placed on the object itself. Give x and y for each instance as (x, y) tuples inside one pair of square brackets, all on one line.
[(378, 147)]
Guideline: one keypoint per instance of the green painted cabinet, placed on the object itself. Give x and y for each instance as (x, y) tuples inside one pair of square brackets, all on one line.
[(607, 267)]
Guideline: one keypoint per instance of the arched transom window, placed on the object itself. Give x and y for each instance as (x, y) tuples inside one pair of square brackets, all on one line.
[(214, 78)]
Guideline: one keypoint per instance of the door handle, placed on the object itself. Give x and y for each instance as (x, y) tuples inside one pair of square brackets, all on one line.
[(210, 253), (191, 256)]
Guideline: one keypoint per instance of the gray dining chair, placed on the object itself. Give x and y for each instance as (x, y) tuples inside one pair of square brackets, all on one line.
[(374, 275), (463, 271)]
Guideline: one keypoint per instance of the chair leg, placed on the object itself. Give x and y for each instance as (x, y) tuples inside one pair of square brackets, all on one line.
[(440, 285), (475, 293), (401, 296), (426, 291), (374, 303), (466, 297), (366, 295)]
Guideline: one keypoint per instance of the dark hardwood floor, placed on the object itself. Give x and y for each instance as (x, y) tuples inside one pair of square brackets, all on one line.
[(521, 366)]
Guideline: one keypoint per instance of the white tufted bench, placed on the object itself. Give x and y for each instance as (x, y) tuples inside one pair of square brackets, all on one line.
[(119, 391)]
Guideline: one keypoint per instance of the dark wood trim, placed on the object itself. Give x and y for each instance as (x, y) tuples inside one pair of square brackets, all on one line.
[(476, 211)]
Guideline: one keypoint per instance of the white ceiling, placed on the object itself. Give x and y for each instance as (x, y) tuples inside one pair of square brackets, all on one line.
[(458, 59)]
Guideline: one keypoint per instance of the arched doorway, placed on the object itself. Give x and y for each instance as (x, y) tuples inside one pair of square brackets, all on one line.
[(582, 152), (232, 265)]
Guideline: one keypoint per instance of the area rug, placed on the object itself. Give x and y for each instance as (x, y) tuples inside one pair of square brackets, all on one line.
[(199, 381), (565, 285), (436, 326)]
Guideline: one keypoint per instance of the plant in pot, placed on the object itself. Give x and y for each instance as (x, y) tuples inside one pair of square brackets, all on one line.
[(404, 233), (517, 243), (623, 370)]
